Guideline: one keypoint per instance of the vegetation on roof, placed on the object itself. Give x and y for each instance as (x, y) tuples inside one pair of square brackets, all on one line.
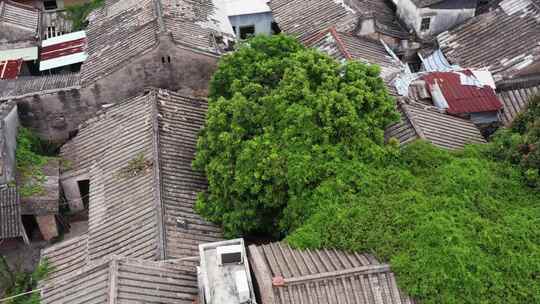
[(293, 147), (30, 164), (520, 145), (79, 13)]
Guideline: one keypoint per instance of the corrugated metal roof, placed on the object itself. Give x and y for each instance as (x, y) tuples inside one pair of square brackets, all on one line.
[(463, 98), (26, 54), (10, 69), (63, 50)]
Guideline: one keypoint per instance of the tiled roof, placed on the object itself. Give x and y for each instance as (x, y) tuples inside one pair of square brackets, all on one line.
[(515, 97), (303, 19), (419, 121), (346, 46), (463, 98), (122, 281), (138, 154), (30, 85), (505, 40), (322, 276), (196, 23), (67, 256), (119, 31), (18, 24), (10, 213), (124, 29)]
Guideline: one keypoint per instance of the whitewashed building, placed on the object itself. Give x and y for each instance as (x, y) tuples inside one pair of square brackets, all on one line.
[(428, 18), (250, 17)]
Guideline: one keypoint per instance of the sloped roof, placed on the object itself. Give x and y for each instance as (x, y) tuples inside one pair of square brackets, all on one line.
[(347, 46), (10, 69), (419, 121), (515, 96), (426, 3), (124, 29), (67, 257), (134, 212), (30, 85), (322, 276), (10, 213), (505, 40), (18, 25), (121, 280), (463, 98), (302, 20), (119, 31)]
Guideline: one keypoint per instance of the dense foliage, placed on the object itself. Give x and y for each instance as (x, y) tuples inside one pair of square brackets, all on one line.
[(79, 13), (456, 227), (293, 145), (282, 119), (520, 144), (15, 283), (29, 163)]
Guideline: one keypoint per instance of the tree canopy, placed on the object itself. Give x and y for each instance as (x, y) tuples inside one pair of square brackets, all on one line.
[(293, 147), (281, 119)]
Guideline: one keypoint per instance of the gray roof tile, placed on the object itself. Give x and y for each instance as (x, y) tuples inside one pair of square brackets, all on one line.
[(419, 121), (322, 276), (10, 213), (505, 40)]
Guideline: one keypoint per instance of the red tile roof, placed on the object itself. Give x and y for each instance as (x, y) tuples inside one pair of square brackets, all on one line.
[(463, 98), (9, 69)]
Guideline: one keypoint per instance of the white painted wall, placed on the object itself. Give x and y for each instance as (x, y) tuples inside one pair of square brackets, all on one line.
[(441, 19), (261, 21)]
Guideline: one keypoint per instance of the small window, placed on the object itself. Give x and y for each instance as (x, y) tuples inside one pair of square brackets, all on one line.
[(234, 30), (424, 26), (247, 31), (162, 59), (169, 59), (50, 5)]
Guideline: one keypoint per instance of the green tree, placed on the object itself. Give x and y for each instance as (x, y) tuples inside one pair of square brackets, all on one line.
[(281, 119), (14, 282), (520, 144), (293, 146)]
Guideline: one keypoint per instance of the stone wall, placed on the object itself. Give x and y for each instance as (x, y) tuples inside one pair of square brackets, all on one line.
[(56, 116), (9, 122)]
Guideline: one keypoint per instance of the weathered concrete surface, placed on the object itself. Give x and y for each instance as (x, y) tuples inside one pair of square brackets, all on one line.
[(56, 116), (47, 226)]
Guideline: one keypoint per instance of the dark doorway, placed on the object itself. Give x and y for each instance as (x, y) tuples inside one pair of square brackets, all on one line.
[(31, 227), (84, 190)]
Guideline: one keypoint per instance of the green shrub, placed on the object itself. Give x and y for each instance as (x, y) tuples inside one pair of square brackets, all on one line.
[(29, 163), (19, 282), (78, 13)]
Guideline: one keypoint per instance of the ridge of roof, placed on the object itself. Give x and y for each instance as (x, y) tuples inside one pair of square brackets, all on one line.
[(138, 215), (117, 279)]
